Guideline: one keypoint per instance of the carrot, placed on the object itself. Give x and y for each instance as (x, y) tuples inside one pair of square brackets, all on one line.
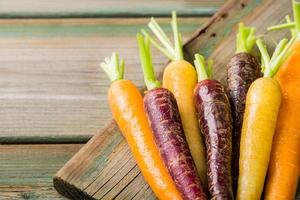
[(242, 70), (175, 79), (215, 121), (163, 114), (262, 107), (284, 167), (126, 104)]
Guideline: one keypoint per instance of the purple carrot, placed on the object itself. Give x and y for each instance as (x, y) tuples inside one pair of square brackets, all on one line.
[(215, 121), (242, 70), (163, 114)]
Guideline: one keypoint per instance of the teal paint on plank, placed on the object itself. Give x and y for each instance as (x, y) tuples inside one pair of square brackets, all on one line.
[(32, 166), (24, 192), (45, 139), (106, 8), (107, 30), (191, 12)]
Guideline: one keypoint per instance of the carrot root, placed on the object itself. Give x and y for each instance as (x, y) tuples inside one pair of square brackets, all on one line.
[(163, 114)]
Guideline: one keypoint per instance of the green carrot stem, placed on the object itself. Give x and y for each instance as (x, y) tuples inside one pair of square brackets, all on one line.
[(293, 31), (281, 26), (291, 25), (278, 60), (146, 62), (204, 69), (177, 37), (271, 65), (160, 34), (265, 57), (245, 39), (209, 68), (296, 11), (113, 68), (159, 47), (172, 51), (279, 48)]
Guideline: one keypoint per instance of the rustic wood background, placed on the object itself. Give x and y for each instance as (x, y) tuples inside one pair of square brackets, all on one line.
[(104, 168), (52, 92)]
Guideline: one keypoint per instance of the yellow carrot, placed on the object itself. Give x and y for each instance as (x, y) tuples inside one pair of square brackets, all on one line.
[(180, 78), (262, 106)]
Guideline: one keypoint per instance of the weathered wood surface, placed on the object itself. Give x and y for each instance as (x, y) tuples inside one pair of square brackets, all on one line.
[(26, 170), (104, 168), (51, 86), (105, 8)]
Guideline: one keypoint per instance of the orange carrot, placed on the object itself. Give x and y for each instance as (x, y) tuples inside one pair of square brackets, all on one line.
[(126, 104), (284, 165), (180, 77)]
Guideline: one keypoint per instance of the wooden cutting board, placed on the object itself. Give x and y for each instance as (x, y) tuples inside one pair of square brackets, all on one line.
[(104, 168)]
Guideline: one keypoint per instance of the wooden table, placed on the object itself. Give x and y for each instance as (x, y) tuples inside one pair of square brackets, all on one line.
[(52, 91)]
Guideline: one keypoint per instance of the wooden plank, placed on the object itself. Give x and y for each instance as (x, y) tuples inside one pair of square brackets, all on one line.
[(88, 171), (105, 8), (51, 87), (104, 169), (26, 170), (29, 193)]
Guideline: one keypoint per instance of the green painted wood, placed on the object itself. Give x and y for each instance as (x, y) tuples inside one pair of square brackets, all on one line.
[(52, 89), (26, 170), (105, 8), (45, 139), (112, 28)]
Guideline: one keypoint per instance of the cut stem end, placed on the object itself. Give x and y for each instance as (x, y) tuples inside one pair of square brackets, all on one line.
[(113, 67), (245, 39), (203, 68)]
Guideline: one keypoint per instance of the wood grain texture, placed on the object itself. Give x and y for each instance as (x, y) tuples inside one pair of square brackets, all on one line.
[(51, 86), (26, 170), (105, 8), (101, 164), (103, 169)]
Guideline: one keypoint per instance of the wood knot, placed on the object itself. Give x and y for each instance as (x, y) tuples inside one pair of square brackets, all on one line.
[(224, 15), (213, 35)]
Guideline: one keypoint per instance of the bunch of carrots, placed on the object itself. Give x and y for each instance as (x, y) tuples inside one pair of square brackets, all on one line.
[(194, 138)]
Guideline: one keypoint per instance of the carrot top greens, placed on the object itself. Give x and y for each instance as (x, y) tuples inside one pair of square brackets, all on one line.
[(146, 62), (245, 39), (294, 26), (113, 68), (204, 68), (271, 65), (172, 51)]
